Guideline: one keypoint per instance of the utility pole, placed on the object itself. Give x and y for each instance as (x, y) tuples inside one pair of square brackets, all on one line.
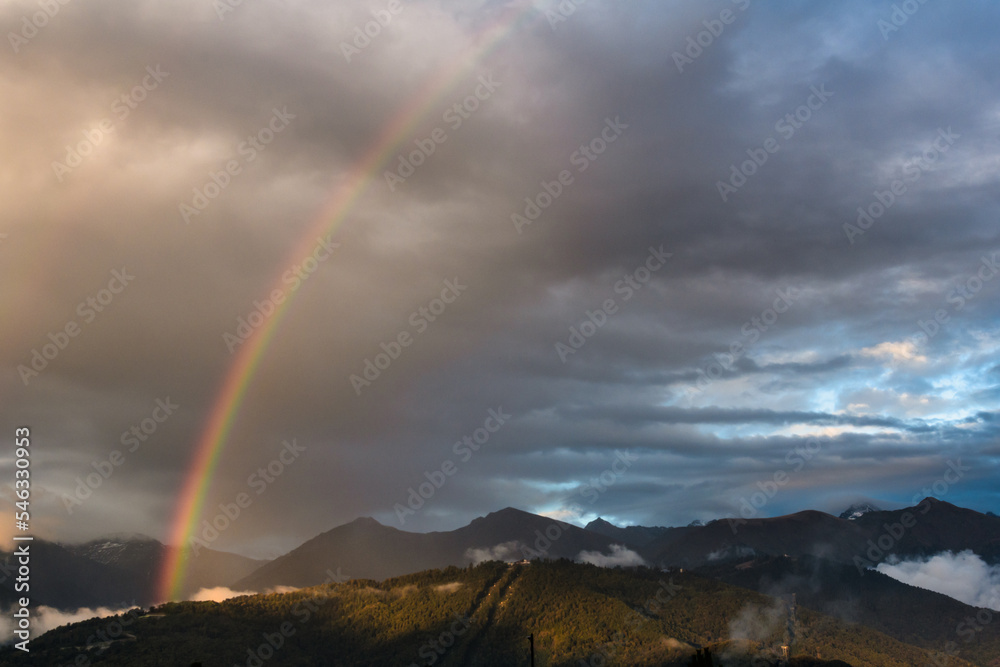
[(531, 645)]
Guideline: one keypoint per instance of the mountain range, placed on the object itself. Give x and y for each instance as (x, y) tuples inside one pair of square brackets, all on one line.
[(366, 549), (123, 569), (113, 571), (822, 561)]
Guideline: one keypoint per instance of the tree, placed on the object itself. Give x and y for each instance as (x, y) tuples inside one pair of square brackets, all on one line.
[(701, 658)]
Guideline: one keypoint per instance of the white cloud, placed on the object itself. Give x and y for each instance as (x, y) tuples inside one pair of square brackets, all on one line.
[(895, 353), (963, 576), (503, 551), (619, 556), (450, 587), (757, 622), (220, 593), (45, 618)]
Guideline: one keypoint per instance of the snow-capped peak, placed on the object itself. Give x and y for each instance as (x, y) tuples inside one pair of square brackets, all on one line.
[(858, 509)]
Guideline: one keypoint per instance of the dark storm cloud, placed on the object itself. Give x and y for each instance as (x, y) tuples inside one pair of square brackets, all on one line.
[(843, 362)]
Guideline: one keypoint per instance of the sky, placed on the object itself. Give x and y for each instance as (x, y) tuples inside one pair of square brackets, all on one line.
[(651, 261)]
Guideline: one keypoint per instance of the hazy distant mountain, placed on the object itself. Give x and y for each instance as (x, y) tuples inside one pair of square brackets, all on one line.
[(934, 526), (63, 579), (140, 559), (794, 534), (858, 509), (482, 616), (630, 535), (116, 549), (114, 571), (365, 548)]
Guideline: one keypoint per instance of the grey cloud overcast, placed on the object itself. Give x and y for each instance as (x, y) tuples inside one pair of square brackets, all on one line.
[(887, 353)]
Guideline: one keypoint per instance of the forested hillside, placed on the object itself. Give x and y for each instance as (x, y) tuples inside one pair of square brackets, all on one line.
[(477, 616)]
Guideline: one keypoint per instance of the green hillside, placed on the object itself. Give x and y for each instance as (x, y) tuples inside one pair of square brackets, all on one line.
[(931, 621), (478, 616)]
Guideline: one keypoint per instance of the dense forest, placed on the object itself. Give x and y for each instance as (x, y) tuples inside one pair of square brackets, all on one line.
[(480, 616)]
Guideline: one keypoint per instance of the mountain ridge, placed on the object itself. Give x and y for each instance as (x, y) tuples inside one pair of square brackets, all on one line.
[(112, 572), (856, 510), (371, 550)]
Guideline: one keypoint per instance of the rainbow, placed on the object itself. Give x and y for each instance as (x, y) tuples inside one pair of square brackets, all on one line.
[(226, 408)]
